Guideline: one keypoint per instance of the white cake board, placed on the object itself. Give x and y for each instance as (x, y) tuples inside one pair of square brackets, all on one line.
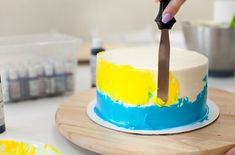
[(212, 116)]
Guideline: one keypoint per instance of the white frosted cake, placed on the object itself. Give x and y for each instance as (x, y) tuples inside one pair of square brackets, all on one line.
[(127, 89)]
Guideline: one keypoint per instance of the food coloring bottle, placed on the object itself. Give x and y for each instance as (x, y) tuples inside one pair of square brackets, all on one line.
[(2, 119), (97, 47)]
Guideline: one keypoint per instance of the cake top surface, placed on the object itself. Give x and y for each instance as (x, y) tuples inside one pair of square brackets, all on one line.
[(147, 58)]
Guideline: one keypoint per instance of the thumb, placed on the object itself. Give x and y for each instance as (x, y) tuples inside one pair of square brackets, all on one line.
[(171, 10), (231, 152)]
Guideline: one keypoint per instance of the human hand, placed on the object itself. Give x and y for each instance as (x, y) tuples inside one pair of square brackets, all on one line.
[(231, 152), (171, 10)]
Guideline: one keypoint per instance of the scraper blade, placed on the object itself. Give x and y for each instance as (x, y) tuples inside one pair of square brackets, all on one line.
[(163, 65), (164, 53)]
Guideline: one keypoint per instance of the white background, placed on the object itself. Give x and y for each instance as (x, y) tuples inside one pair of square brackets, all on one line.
[(81, 17)]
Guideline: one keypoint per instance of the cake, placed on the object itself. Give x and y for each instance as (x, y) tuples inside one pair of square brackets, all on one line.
[(127, 89), (12, 147)]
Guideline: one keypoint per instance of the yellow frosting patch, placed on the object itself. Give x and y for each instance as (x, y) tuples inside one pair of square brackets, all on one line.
[(173, 93), (10, 147), (132, 86)]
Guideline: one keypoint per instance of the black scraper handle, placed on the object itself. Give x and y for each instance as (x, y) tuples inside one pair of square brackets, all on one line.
[(158, 20)]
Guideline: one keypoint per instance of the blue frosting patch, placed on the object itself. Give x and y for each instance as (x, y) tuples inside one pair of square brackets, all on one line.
[(152, 117)]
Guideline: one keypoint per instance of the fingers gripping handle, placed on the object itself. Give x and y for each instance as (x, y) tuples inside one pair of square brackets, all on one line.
[(158, 20)]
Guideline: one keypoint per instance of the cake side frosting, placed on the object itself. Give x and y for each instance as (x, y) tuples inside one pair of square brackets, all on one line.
[(132, 86), (127, 91), (152, 117), (188, 67)]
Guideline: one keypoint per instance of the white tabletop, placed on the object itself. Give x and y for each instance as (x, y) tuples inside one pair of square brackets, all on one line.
[(35, 119)]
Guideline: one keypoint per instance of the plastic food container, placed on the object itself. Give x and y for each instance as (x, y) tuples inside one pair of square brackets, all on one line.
[(35, 66)]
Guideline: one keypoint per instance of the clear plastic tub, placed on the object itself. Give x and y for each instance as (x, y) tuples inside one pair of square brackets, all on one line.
[(35, 66)]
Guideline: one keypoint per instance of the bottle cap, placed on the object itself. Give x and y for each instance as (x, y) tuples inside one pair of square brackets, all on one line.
[(97, 43), (22, 71), (59, 68), (33, 72), (39, 69), (48, 68), (68, 66), (13, 74)]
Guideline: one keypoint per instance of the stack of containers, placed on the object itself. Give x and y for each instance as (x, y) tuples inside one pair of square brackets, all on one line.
[(36, 66)]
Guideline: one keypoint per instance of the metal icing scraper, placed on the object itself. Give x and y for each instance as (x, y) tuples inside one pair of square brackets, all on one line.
[(164, 53)]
